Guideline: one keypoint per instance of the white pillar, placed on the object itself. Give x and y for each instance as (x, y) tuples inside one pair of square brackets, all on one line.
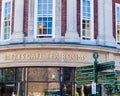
[(30, 37), (17, 35), (58, 11), (71, 34), (105, 25), (101, 37), (109, 39)]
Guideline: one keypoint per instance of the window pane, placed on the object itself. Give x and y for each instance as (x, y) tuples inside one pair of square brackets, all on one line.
[(9, 4), (86, 16), (83, 32), (84, 2), (84, 9), (44, 1), (44, 6), (50, 1), (20, 88), (118, 23), (40, 7), (9, 75), (83, 26), (39, 13), (88, 26), (49, 24), (43, 89), (7, 89), (88, 3), (44, 13), (45, 25), (21, 72), (49, 13), (44, 17), (7, 16), (43, 74), (49, 31), (40, 19), (50, 6), (88, 9), (67, 74), (40, 1)]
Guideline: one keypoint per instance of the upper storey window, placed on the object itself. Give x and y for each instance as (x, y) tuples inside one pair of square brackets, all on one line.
[(87, 19), (118, 23), (6, 19), (44, 18)]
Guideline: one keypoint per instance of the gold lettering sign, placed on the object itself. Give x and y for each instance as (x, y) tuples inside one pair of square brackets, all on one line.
[(46, 56)]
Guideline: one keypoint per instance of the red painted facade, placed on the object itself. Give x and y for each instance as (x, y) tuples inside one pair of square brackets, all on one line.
[(78, 16), (0, 13), (64, 17), (25, 26), (95, 18), (13, 8)]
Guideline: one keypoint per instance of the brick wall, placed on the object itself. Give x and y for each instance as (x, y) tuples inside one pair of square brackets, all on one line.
[(114, 18), (0, 13), (95, 18), (64, 17), (13, 8), (78, 16), (25, 26)]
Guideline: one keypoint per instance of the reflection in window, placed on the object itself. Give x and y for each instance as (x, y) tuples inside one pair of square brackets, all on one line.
[(6, 22), (44, 18), (8, 75), (43, 89), (87, 16), (37, 81), (118, 23), (68, 83), (11, 82)]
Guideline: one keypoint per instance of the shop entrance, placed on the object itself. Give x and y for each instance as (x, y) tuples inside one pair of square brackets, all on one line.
[(37, 81), (6, 89)]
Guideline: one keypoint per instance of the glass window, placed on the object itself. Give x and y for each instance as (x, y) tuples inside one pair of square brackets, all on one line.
[(118, 23), (6, 20), (87, 19), (43, 89), (44, 18), (37, 81), (8, 75)]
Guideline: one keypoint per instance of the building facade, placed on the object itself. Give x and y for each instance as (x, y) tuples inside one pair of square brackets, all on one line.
[(43, 42)]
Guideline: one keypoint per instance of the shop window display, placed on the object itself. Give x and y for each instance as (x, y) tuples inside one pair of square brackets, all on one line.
[(37, 81)]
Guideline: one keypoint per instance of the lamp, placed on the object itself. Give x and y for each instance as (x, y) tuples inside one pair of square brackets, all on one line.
[(53, 76)]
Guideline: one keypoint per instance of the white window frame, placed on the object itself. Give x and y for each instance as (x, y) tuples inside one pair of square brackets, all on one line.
[(91, 20), (2, 20), (116, 5), (53, 20)]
